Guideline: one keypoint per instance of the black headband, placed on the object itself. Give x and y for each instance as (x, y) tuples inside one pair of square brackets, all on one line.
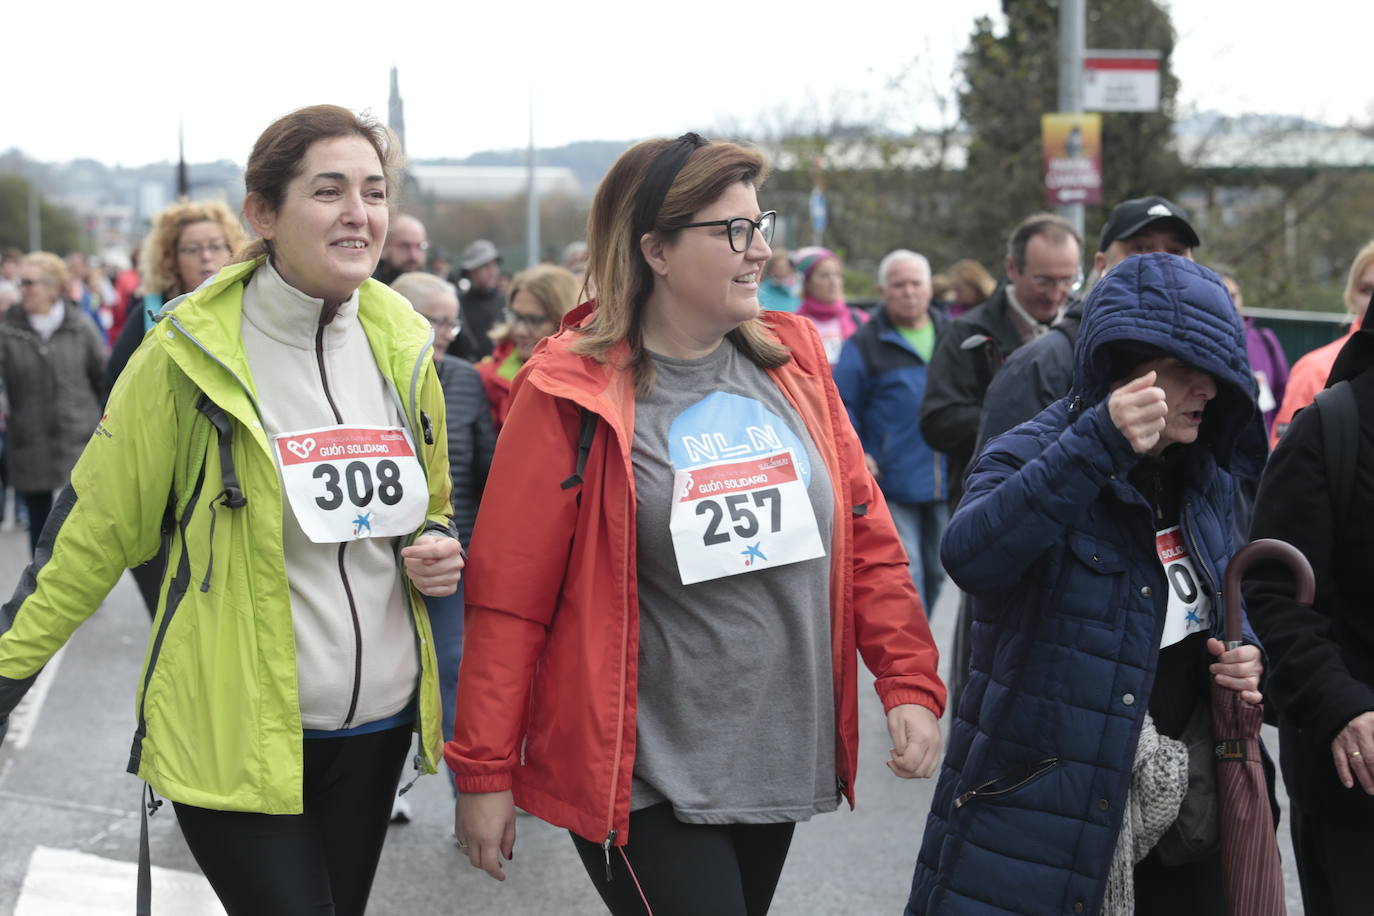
[(659, 178)]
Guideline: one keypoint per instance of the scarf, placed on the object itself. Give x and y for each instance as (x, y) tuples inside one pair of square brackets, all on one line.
[(829, 311), (1159, 780)]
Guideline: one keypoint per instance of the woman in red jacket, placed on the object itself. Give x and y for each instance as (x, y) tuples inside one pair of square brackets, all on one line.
[(677, 556)]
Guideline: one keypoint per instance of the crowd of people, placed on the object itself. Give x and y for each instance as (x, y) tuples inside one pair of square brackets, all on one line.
[(610, 537)]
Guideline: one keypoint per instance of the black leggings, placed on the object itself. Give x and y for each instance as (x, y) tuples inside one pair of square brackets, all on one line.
[(674, 869), (321, 861), (39, 503)]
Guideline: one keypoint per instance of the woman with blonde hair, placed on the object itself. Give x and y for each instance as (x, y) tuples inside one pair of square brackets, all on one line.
[(189, 242), (539, 298), (972, 284), (677, 560), (1310, 371)]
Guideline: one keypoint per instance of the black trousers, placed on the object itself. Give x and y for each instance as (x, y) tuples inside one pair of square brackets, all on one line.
[(319, 862), (674, 869), (39, 503), (1335, 861)]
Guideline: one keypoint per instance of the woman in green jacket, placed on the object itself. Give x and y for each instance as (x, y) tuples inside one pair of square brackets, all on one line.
[(283, 429)]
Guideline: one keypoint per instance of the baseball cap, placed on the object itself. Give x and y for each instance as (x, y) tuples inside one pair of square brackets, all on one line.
[(1130, 216)]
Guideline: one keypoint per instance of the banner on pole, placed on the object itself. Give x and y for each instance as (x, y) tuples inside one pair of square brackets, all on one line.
[(1073, 158)]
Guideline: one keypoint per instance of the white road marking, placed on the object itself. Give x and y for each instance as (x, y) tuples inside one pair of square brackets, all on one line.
[(25, 715), (62, 881)]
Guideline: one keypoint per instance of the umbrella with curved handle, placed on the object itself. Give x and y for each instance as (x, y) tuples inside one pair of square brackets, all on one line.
[(1251, 870)]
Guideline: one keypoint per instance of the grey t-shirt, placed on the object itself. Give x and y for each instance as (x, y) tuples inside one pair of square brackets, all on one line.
[(736, 714)]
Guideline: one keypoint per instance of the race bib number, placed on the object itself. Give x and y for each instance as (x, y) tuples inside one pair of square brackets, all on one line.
[(734, 517), (350, 482), (1189, 605)]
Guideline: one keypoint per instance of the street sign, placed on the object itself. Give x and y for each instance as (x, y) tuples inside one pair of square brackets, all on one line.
[(1120, 80), (1073, 158)]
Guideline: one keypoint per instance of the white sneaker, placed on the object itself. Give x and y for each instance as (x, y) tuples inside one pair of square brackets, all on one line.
[(400, 810)]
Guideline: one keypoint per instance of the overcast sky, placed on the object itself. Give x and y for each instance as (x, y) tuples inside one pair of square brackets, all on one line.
[(110, 84)]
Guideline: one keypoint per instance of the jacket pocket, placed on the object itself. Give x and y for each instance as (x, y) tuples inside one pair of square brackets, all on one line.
[(1000, 787), (1091, 579)]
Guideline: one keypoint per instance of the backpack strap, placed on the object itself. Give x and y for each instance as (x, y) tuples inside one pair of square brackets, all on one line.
[(231, 496), (1340, 444), (584, 447)]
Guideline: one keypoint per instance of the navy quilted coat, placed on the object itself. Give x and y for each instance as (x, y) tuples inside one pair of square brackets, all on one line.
[(1056, 549)]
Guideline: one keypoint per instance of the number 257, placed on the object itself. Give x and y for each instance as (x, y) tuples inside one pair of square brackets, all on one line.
[(743, 520)]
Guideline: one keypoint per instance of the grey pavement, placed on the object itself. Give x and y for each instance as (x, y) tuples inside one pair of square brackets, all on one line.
[(67, 790)]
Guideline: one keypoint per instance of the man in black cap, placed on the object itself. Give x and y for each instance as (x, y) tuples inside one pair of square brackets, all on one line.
[(482, 304), (1041, 372)]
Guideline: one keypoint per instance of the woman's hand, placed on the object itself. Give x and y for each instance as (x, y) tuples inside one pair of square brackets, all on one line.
[(915, 734), (1353, 752), (1237, 669), (435, 564), (1138, 409), (484, 823)]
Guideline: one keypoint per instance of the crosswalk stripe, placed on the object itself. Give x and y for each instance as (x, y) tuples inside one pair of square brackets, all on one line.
[(63, 882)]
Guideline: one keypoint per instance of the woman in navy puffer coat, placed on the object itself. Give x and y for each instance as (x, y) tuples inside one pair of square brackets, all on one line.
[(1058, 541)]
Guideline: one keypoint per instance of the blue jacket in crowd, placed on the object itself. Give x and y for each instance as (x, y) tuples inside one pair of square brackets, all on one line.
[(1056, 549), (882, 380)]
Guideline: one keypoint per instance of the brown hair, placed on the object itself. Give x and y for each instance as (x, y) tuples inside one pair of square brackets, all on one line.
[(554, 288), (279, 155), (158, 257), (1055, 229), (616, 267)]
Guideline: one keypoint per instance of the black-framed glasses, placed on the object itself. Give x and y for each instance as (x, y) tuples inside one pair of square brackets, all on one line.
[(740, 229), (531, 320)]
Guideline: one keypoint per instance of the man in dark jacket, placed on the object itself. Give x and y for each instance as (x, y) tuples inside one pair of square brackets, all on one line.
[(881, 375), (1322, 657), (1093, 540), (1043, 269), (483, 303), (1039, 373)]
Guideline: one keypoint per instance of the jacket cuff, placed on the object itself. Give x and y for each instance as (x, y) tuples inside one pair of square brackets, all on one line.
[(900, 696)]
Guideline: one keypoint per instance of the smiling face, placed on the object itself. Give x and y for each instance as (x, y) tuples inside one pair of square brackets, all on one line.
[(327, 234), (1187, 391), (201, 251), (709, 287)]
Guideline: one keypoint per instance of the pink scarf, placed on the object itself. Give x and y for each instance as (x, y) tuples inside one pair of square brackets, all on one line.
[(829, 311)]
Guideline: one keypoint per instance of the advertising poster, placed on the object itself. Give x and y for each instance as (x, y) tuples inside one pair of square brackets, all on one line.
[(1073, 158)]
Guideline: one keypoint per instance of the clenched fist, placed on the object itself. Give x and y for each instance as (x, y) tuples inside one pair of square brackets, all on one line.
[(1138, 409)]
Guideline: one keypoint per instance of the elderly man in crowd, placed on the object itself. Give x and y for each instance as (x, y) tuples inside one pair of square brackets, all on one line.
[(881, 374)]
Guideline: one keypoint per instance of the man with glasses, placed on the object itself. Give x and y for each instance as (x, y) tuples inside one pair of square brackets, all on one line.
[(1043, 270), (404, 251)]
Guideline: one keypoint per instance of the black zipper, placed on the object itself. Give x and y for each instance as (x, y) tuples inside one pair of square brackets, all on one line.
[(991, 789), (176, 590), (343, 547)]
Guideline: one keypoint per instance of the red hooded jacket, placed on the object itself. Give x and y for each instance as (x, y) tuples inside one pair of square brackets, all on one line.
[(547, 689)]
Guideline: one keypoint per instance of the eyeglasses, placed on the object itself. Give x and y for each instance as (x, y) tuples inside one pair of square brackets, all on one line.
[(450, 325), (740, 230), (26, 281), (1045, 284), (195, 251), (528, 320)]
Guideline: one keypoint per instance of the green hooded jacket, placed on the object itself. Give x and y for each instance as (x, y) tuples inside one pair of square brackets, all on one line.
[(218, 717)]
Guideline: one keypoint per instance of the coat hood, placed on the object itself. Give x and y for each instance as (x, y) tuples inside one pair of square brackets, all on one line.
[(1163, 303)]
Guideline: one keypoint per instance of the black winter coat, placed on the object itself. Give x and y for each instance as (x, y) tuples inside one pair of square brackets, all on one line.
[(1321, 658)]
